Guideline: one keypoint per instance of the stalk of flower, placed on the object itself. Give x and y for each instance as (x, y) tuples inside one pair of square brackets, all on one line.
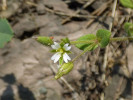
[(61, 52)]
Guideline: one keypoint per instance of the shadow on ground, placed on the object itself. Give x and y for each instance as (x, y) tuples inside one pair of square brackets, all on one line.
[(23, 92)]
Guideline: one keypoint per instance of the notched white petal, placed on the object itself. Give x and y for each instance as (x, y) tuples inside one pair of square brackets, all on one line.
[(57, 57), (66, 57), (55, 46), (54, 56), (66, 44), (66, 47)]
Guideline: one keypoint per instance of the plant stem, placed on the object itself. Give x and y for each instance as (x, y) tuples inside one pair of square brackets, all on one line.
[(120, 39), (111, 40), (80, 42), (87, 49)]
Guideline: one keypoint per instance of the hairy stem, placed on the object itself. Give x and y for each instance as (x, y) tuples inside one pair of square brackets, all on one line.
[(87, 49), (80, 42), (111, 40), (120, 39)]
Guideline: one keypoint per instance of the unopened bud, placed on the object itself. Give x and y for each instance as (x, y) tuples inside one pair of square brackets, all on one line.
[(45, 40), (64, 69)]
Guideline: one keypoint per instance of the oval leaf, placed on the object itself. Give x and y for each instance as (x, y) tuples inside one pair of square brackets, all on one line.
[(91, 38), (6, 33), (129, 28), (127, 3), (103, 37)]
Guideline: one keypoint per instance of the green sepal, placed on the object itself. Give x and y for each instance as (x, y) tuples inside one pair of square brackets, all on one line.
[(65, 40), (64, 69), (61, 60), (6, 32), (68, 52), (91, 38), (45, 40), (103, 37), (129, 28), (62, 44), (53, 51), (127, 3)]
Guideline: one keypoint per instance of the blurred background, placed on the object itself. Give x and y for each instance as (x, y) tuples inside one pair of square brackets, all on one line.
[(26, 71)]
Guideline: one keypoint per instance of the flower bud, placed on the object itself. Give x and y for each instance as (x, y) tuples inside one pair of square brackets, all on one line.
[(64, 69), (45, 40)]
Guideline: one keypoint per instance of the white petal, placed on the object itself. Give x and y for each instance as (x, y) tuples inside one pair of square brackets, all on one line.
[(57, 57), (66, 44), (55, 46), (66, 47), (54, 56), (66, 57)]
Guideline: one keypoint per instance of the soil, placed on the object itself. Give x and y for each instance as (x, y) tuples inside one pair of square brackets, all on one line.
[(26, 70)]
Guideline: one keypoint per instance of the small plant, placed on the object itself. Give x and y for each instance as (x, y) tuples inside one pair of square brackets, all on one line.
[(88, 42), (85, 43)]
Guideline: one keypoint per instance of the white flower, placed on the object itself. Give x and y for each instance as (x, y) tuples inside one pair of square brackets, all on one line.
[(61, 51)]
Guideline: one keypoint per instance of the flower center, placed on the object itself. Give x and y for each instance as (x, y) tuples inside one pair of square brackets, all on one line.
[(61, 50)]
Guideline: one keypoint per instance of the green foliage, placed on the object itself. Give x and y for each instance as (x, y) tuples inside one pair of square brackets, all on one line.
[(6, 33), (103, 37), (127, 3), (65, 40), (91, 38), (129, 28), (45, 40), (64, 69)]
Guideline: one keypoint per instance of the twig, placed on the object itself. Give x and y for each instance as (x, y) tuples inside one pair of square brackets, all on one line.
[(31, 3), (118, 91), (78, 11), (71, 15), (110, 28), (4, 5), (113, 15), (68, 15), (76, 15), (98, 12)]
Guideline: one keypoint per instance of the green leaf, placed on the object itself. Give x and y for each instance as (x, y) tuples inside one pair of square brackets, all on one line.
[(127, 3), (6, 33), (91, 38), (103, 36), (45, 40), (129, 28)]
